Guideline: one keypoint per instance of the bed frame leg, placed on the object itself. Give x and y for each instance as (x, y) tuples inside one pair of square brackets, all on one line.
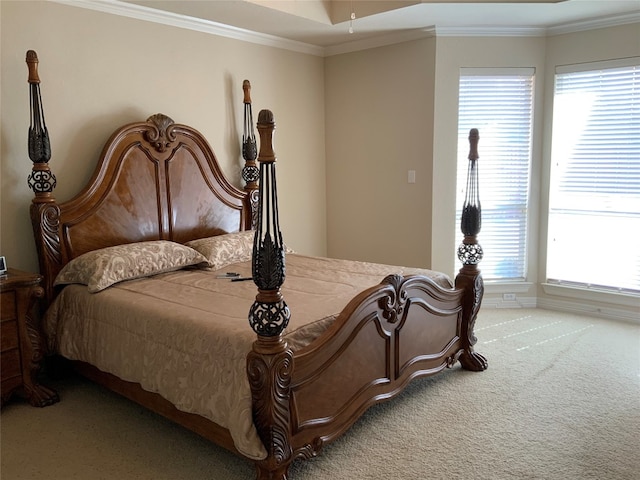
[(470, 280), (269, 368), (280, 474)]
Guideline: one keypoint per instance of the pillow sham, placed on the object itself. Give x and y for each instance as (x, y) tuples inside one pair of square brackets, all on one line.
[(102, 268), (225, 249), (228, 248)]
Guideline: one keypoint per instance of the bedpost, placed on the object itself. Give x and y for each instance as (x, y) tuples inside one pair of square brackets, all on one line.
[(270, 363), (44, 210), (470, 253), (44, 217), (250, 173)]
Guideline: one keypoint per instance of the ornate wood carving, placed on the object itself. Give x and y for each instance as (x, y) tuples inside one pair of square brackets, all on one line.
[(269, 369), (161, 136), (254, 200), (37, 394), (45, 220), (269, 315), (471, 282), (41, 180), (393, 305), (310, 450)]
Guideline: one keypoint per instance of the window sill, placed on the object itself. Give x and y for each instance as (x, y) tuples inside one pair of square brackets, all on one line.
[(592, 294), (507, 287)]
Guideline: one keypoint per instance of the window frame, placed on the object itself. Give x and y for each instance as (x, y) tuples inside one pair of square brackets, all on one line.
[(485, 153), (564, 287)]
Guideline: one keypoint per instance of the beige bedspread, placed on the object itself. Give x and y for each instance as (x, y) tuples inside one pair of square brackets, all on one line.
[(185, 334)]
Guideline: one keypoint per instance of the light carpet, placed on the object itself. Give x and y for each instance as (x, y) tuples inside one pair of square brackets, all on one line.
[(560, 400)]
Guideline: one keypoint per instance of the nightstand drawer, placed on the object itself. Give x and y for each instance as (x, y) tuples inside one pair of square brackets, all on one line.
[(8, 306), (10, 385), (20, 360), (10, 362), (8, 336)]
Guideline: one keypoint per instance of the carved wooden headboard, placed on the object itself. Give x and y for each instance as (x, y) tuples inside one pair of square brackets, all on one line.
[(155, 180)]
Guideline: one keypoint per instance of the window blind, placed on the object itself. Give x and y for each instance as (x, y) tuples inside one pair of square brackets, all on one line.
[(594, 198), (499, 103)]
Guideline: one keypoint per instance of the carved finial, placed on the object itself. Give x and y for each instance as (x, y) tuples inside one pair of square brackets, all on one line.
[(266, 116), (246, 86), (266, 126), (32, 63), (249, 148), (474, 136), (161, 121)]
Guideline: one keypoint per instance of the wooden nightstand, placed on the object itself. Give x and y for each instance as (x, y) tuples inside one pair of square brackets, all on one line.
[(21, 340)]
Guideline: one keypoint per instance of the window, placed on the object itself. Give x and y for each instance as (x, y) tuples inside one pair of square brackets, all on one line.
[(594, 198), (499, 103)]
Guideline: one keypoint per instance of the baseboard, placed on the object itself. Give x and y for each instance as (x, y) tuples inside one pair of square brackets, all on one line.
[(610, 313), (517, 302), (563, 305)]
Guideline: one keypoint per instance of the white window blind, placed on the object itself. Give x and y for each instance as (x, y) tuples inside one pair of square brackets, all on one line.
[(594, 199), (499, 103)]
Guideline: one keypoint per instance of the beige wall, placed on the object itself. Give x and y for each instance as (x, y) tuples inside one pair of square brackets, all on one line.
[(379, 105), (99, 71)]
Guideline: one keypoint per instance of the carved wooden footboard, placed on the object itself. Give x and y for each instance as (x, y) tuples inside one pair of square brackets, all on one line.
[(401, 329), (404, 328), (388, 335)]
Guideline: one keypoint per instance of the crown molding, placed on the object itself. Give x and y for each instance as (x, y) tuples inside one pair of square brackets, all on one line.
[(379, 41), (572, 27), (604, 22), (491, 31), (139, 12)]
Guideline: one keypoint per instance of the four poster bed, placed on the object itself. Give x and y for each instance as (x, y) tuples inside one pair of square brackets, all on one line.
[(142, 287)]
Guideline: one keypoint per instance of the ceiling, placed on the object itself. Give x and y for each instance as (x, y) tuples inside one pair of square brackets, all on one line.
[(327, 23)]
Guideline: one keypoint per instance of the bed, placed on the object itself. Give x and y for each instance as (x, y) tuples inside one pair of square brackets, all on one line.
[(143, 292)]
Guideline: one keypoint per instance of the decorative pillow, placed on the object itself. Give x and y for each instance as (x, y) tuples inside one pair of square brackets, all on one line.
[(102, 268), (223, 250)]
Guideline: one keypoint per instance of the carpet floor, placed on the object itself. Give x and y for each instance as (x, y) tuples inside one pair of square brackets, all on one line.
[(560, 400)]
